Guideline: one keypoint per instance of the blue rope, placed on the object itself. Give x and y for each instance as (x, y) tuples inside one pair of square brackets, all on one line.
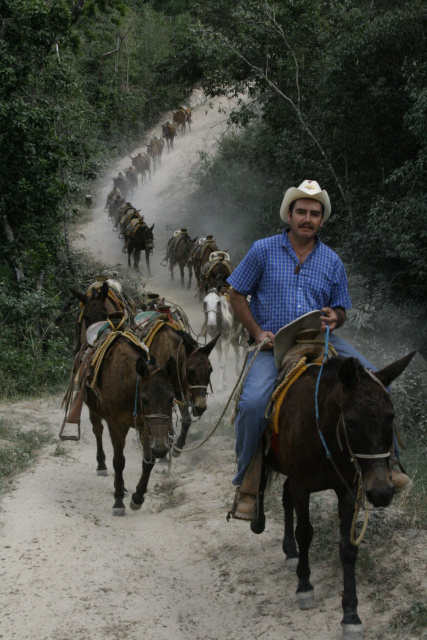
[(316, 405), (135, 411)]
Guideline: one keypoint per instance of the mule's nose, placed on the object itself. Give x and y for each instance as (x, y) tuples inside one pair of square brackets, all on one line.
[(198, 411), (159, 450), (380, 497)]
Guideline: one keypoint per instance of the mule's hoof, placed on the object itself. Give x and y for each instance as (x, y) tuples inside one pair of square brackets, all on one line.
[(134, 506), (291, 564), (102, 472), (306, 599), (119, 511), (352, 631)]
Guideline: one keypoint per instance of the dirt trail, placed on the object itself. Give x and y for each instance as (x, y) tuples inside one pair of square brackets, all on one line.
[(175, 570)]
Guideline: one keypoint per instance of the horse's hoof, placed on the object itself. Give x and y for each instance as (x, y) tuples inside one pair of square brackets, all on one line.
[(291, 564), (352, 631), (119, 511), (306, 599), (102, 472), (134, 506), (258, 527)]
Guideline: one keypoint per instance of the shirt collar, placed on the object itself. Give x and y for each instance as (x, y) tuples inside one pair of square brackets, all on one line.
[(287, 243)]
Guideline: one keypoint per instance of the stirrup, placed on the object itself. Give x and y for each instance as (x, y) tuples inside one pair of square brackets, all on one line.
[(232, 512)]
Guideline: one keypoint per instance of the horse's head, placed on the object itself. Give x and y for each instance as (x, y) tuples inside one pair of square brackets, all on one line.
[(198, 371), (212, 311), (367, 421), (156, 398)]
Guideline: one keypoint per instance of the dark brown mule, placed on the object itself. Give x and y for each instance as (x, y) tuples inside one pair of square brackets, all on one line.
[(169, 133), (200, 256), (179, 254), (142, 164), (132, 178), (193, 372), (129, 393), (179, 120), (356, 422), (139, 237), (95, 306), (215, 273), (155, 150)]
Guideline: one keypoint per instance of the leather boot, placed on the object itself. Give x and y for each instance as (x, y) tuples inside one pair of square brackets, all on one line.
[(245, 501), (400, 481)]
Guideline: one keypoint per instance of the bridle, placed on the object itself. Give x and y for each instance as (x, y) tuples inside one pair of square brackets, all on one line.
[(146, 422), (189, 387)]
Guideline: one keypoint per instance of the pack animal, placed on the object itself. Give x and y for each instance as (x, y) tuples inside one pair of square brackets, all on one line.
[(122, 185), (221, 320), (199, 257), (155, 150), (139, 237), (132, 178), (181, 118), (169, 133), (128, 385), (353, 438), (142, 165), (178, 253)]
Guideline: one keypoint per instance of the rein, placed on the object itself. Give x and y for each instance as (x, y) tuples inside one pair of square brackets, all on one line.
[(360, 498), (189, 386)]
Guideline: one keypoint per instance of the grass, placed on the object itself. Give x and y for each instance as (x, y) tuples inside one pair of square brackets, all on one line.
[(18, 449)]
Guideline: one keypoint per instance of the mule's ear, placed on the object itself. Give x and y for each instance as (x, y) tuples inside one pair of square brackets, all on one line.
[(219, 287), (141, 367), (152, 227), (347, 373), (390, 373), (194, 240), (206, 287), (170, 367), (210, 346), (82, 297), (189, 344), (104, 290)]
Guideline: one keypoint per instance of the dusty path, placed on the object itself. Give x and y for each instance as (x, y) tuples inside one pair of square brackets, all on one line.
[(175, 570)]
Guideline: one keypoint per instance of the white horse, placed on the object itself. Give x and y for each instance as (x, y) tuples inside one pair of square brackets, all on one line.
[(220, 318)]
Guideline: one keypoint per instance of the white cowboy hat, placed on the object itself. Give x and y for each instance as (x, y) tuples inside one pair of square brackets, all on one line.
[(284, 338), (307, 189)]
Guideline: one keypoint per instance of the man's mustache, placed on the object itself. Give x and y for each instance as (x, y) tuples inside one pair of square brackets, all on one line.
[(306, 226)]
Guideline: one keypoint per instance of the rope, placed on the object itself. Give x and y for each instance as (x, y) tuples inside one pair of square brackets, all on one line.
[(240, 381), (358, 503), (100, 352)]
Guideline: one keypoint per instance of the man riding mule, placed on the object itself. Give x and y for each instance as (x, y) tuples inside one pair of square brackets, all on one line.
[(287, 276)]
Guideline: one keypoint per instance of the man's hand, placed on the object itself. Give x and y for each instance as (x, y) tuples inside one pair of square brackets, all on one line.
[(329, 318), (261, 335)]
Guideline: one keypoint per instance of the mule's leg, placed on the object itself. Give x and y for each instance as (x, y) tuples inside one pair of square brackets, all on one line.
[(118, 439), (304, 536), (147, 261), (221, 364), (351, 623), (258, 525), (129, 256), (98, 429), (289, 545), (185, 425), (141, 488), (181, 268), (136, 257), (190, 275), (171, 266), (235, 345)]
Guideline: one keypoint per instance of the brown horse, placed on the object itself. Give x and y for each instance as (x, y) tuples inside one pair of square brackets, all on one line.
[(353, 436), (131, 392), (155, 150), (178, 253), (193, 372), (139, 237), (142, 164), (95, 305), (169, 133), (199, 257)]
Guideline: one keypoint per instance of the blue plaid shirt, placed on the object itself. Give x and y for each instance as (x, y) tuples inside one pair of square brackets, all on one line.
[(278, 294)]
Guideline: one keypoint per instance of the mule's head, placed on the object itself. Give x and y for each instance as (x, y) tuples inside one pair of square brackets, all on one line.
[(94, 307), (367, 413), (212, 311), (198, 371), (156, 397)]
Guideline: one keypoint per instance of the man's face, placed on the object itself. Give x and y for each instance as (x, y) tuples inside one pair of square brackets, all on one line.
[(306, 218)]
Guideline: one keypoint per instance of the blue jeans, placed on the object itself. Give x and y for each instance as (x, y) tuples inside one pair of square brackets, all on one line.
[(257, 389)]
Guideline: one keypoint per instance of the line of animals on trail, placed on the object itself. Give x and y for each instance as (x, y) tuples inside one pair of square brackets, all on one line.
[(137, 235)]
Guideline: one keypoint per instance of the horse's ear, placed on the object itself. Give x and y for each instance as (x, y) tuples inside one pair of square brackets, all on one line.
[(104, 290), (170, 367), (141, 367), (347, 373), (390, 373), (82, 297), (210, 346)]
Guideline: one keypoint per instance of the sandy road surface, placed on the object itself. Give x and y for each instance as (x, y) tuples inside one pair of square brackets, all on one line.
[(175, 570)]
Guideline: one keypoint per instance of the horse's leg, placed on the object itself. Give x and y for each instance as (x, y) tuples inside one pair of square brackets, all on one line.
[(289, 545), (185, 425), (118, 439), (258, 525), (141, 488), (304, 536), (147, 261), (98, 429), (351, 623)]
